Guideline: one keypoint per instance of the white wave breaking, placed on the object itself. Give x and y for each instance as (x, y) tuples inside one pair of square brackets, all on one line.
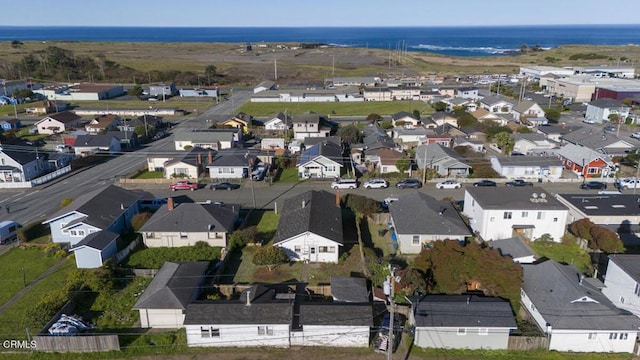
[(481, 49)]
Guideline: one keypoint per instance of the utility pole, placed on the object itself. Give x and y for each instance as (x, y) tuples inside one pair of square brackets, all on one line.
[(391, 280), (635, 184), (424, 166)]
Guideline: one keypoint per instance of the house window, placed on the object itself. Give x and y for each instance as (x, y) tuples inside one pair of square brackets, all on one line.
[(621, 299), (261, 330), (297, 248), (555, 219), (313, 250), (150, 235), (540, 215), (613, 336), (204, 332), (416, 240), (533, 307), (332, 249), (492, 219), (183, 235), (637, 290), (592, 336), (462, 331), (265, 330), (331, 168), (323, 249), (525, 214), (507, 215), (624, 336), (592, 170), (62, 225), (80, 232), (483, 331)]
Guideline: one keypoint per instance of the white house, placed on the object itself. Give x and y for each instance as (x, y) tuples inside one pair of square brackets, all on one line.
[(418, 219), (622, 282), (230, 164), (95, 249), (499, 213), (333, 325), (185, 224), (467, 93), (103, 123), (600, 110), (264, 86), (20, 164), (279, 122), (91, 144), (527, 109), (187, 165), (529, 167), (58, 123), (532, 143), (461, 322), (572, 311), (216, 139), (496, 104), (164, 302), (309, 125), (404, 118), (110, 208), (310, 227), (322, 160)]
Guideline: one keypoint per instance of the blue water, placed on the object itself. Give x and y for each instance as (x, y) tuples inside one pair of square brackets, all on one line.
[(456, 41)]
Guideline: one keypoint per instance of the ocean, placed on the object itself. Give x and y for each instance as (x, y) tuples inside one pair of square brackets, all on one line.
[(453, 41)]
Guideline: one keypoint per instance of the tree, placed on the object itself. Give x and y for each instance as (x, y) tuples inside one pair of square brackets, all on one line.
[(440, 106), (270, 256), (374, 117), (403, 164), (614, 118), (350, 134), (552, 114), (416, 114), (362, 205), (211, 70), (386, 124), (505, 142), (23, 93), (136, 91)]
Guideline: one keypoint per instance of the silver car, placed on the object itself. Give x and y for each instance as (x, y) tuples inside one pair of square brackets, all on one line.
[(376, 184)]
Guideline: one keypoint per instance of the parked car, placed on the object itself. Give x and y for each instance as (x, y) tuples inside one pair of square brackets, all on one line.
[(448, 184), (409, 183), (184, 185), (518, 182), (8, 232), (588, 121), (376, 184), (344, 184), (610, 128), (627, 183), (484, 183), (224, 186), (636, 135), (593, 185)]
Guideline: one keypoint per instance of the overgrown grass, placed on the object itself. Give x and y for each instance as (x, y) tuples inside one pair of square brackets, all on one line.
[(154, 258), (27, 261), (12, 321), (505, 354), (115, 308), (146, 174), (337, 108), (351, 264), (563, 253)]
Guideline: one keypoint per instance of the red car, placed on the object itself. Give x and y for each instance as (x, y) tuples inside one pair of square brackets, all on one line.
[(184, 185)]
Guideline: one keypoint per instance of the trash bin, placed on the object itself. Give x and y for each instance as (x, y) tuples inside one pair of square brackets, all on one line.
[(539, 180), (381, 232)]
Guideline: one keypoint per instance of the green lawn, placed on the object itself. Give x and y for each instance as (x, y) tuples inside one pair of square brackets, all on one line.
[(567, 254), (288, 175), (379, 241), (268, 222), (12, 322), (338, 109), (33, 260), (146, 174), (248, 273)]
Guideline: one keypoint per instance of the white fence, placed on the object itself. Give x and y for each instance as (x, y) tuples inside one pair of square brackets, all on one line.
[(37, 181)]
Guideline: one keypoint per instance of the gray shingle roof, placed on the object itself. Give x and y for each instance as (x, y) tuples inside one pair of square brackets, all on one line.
[(319, 215), (336, 314), (94, 140), (436, 153), (513, 247), (418, 213), (23, 155), (401, 114), (607, 103), (375, 137), (174, 286), (578, 154), (523, 106), (349, 289), (193, 217), (235, 313), (515, 198), (98, 240), (630, 263), (204, 136), (495, 99), (462, 311), (557, 294)]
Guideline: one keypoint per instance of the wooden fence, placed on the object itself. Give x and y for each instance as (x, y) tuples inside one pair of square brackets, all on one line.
[(525, 343)]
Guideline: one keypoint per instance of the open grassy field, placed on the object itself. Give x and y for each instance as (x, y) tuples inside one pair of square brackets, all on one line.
[(28, 261), (338, 108)]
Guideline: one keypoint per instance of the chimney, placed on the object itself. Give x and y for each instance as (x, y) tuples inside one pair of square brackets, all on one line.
[(170, 204), (199, 159), (581, 278), (248, 298), (121, 206), (210, 157), (337, 198)]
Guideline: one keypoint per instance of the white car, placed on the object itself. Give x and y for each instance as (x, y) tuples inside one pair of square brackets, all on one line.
[(627, 183), (376, 184), (588, 121), (636, 135), (449, 184)]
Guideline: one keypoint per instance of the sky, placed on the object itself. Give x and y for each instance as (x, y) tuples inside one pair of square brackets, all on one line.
[(300, 13)]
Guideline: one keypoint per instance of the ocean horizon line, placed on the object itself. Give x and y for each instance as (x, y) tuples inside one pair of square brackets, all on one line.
[(322, 27)]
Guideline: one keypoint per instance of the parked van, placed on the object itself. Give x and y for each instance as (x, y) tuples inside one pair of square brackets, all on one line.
[(8, 232), (344, 184)]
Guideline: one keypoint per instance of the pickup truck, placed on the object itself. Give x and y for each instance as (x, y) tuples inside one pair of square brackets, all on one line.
[(184, 185)]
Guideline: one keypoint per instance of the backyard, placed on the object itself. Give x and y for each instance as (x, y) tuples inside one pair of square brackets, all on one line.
[(563, 253)]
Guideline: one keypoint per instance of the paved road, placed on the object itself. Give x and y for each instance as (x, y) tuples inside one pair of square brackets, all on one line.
[(27, 205)]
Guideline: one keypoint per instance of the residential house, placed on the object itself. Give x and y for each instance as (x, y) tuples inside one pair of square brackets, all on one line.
[(59, 160), (384, 160), (617, 212), (602, 110), (584, 161), (375, 137), (528, 167), (332, 324), (350, 289), (215, 139), (58, 123), (46, 107), (532, 143), (573, 313), (231, 164), (103, 123), (475, 145), (458, 102), (91, 144), (483, 115), (622, 282), (162, 90), (312, 141), (608, 144), (272, 144), (10, 124), (404, 118), (527, 109), (354, 81), (496, 104), (445, 161), (461, 322), (240, 121), (467, 93), (128, 140), (279, 122), (185, 224), (309, 125), (189, 165), (164, 302), (405, 93), (418, 219), (310, 227), (21, 163), (323, 160), (264, 86), (410, 137), (474, 133), (440, 118), (149, 122), (514, 248), (498, 213), (557, 132), (110, 208), (95, 249), (381, 93)]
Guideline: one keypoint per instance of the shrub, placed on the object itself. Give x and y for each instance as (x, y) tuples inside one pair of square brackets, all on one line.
[(599, 238), (32, 231), (270, 256), (66, 202), (362, 205), (154, 258), (240, 238), (140, 219)]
